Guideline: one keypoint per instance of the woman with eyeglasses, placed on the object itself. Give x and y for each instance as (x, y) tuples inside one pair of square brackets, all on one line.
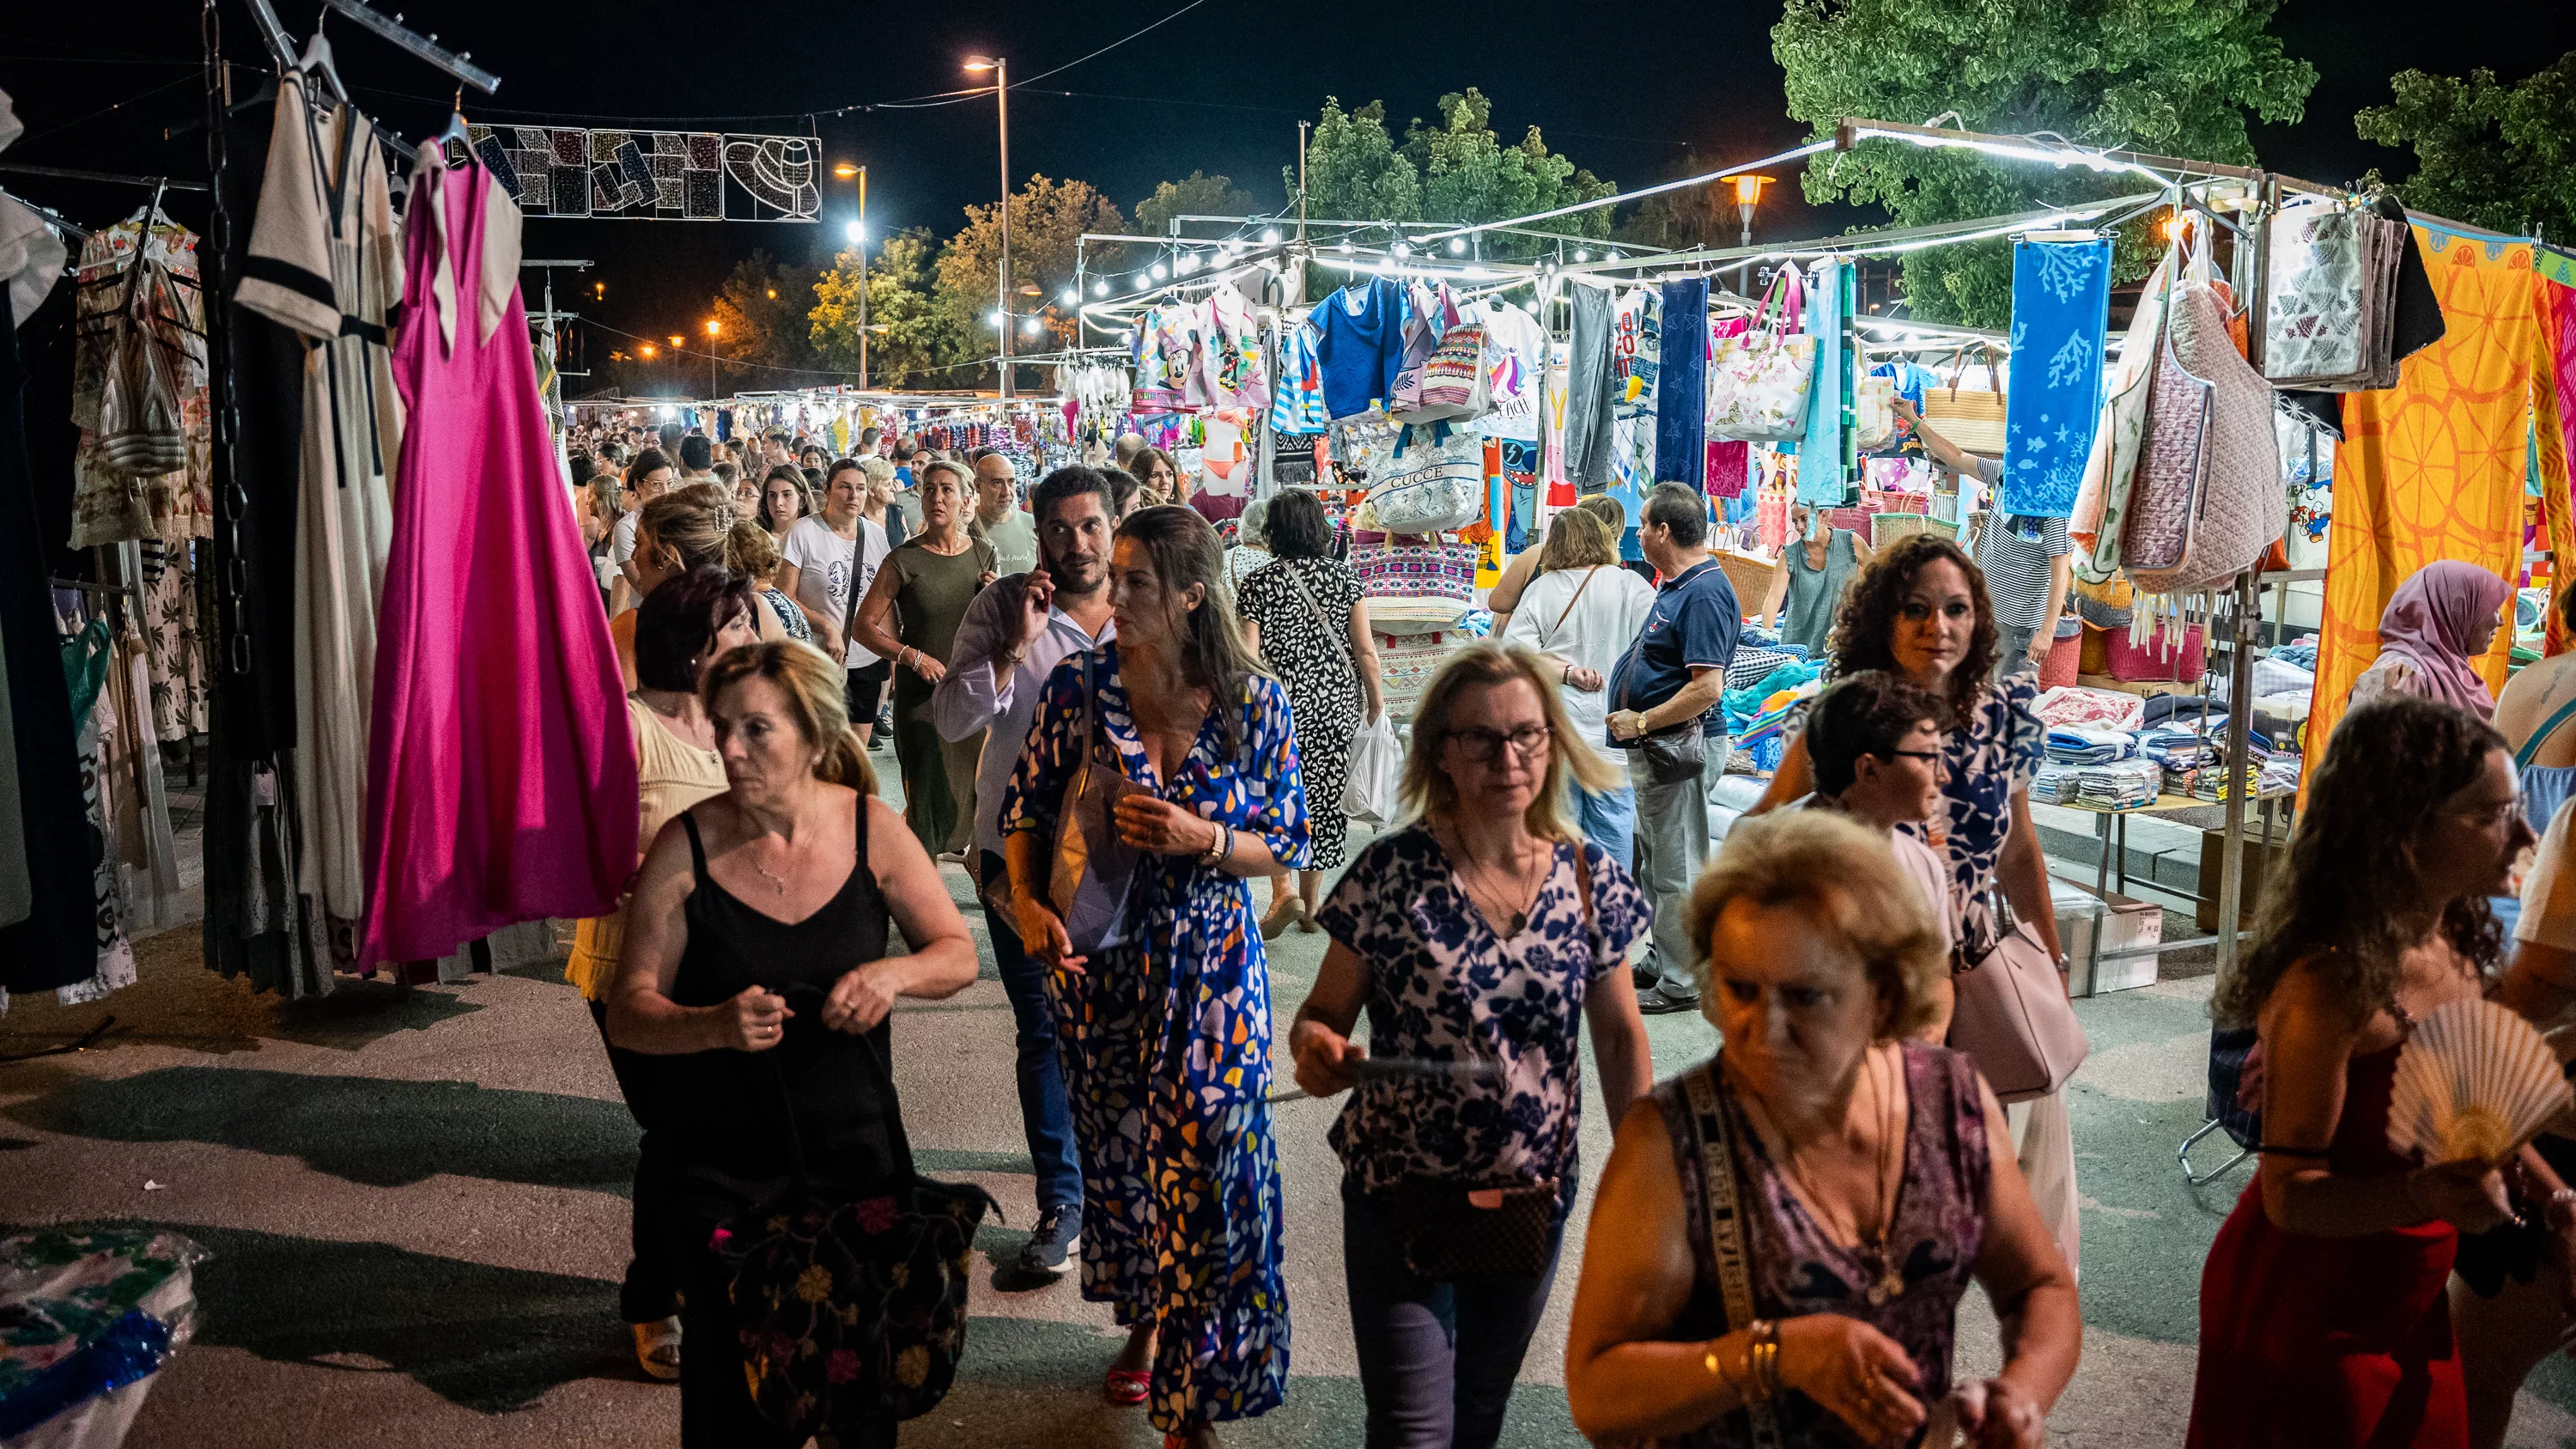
[(1480, 939)]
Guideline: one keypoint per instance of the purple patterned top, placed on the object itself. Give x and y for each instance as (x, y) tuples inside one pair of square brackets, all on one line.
[(1940, 1213)]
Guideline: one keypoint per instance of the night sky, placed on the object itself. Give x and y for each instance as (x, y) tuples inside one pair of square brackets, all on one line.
[(1220, 89)]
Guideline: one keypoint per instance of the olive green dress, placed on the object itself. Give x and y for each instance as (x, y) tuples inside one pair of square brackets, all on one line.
[(931, 592)]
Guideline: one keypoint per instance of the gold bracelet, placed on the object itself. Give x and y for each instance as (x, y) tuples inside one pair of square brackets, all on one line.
[(1763, 1358)]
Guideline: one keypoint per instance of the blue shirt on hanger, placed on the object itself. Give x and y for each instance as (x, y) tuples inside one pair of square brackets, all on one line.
[(1359, 352)]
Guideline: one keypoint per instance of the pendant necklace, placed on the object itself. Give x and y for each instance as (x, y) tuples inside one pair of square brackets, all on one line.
[(778, 882), (1513, 920), (1887, 1279)]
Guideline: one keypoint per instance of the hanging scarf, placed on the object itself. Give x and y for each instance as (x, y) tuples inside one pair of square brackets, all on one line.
[(2434, 618), (2061, 310)]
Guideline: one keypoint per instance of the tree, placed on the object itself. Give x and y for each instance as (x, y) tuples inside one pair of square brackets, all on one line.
[(1200, 195), (2173, 78), (1047, 219), (1455, 171), (912, 340), (1693, 216), (2496, 156), (760, 318)]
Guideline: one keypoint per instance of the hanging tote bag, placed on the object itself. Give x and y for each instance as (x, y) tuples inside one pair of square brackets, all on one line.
[(2111, 469), (1758, 380), (1435, 480), (1874, 427), (1453, 383), (1971, 418), (2012, 1016), (2208, 499)]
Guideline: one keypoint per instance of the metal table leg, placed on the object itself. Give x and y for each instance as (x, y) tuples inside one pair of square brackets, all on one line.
[(2102, 832)]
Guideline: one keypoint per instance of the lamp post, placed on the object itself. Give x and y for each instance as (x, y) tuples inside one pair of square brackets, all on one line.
[(1000, 66), (711, 359), (858, 234), (1748, 195)]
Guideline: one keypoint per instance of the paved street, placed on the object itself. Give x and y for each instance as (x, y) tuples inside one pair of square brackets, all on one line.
[(414, 1208)]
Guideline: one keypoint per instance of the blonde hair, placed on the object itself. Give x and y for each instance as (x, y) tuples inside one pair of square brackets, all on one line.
[(700, 523), (878, 471), (1845, 878), (1428, 793), (817, 699), (1577, 538)]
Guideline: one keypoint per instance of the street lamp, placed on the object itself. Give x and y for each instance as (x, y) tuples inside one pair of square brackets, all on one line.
[(857, 232), (711, 358), (1748, 195), (1001, 68)]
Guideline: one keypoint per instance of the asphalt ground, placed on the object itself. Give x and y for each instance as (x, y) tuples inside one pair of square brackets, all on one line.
[(414, 1208)]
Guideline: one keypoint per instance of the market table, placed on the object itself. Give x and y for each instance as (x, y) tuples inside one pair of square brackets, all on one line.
[(2111, 827)]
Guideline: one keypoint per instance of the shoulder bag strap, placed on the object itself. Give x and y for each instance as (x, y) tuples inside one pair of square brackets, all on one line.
[(1341, 646), (858, 559), (1578, 598), (1727, 1249), (2548, 727)]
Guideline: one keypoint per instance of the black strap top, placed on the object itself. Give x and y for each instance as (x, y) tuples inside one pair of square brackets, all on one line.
[(725, 1108)]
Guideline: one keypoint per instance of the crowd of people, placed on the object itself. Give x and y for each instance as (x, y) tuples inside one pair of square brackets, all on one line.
[(1114, 722)]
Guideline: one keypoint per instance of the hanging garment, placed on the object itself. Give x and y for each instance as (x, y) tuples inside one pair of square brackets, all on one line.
[(1231, 354), (1820, 451), (324, 262), (17, 896), (1297, 401), (2061, 313), (2100, 517), (1591, 387), (31, 256), (52, 945), (500, 785), (111, 954), (2435, 468), (1516, 349), (175, 649), (138, 386), (1359, 345), (1681, 455), (1637, 349), (2553, 437)]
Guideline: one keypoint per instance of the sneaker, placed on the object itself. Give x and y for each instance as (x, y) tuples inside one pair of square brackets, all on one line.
[(1050, 1248), (877, 741), (1661, 1001)]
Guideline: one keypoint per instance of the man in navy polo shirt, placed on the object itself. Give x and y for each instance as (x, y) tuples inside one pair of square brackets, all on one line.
[(1669, 683)]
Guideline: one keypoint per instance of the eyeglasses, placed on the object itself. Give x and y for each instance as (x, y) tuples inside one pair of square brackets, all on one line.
[(2490, 817), (1481, 745), (1935, 756)]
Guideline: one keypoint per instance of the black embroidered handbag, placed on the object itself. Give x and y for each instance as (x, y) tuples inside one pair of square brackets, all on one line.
[(1453, 1233)]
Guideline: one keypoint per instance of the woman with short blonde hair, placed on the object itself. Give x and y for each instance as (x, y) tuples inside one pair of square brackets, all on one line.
[(1850, 1183), (1580, 613), (1481, 932)]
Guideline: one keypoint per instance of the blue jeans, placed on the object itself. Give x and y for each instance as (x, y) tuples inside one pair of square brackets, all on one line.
[(1609, 819), (1437, 1360), (1044, 1114)]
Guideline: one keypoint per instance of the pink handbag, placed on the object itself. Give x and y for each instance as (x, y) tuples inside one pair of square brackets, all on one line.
[(2012, 1017), (2208, 498)]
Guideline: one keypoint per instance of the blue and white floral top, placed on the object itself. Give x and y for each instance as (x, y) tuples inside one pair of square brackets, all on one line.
[(1993, 754), (1444, 987)]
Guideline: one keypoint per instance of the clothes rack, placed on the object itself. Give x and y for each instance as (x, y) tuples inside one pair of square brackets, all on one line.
[(456, 63), (113, 178)]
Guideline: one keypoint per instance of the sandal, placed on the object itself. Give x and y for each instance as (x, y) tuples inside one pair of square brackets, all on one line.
[(1127, 1388), (657, 1348), (1281, 917)]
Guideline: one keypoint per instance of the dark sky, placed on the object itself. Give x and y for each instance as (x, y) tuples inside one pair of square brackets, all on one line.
[(1219, 89)]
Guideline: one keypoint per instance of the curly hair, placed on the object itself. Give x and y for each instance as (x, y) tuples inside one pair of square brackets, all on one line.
[(1865, 632), (2386, 773)]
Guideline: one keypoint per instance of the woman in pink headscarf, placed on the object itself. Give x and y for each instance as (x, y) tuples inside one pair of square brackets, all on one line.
[(2436, 627)]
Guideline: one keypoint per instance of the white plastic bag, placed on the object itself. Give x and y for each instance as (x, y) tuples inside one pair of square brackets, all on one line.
[(1377, 772)]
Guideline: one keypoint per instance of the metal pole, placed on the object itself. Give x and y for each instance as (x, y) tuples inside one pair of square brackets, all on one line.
[(2240, 669), (863, 279), (1002, 105)]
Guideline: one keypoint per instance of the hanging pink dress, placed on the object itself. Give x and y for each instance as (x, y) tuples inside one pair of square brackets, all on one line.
[(500, 776)]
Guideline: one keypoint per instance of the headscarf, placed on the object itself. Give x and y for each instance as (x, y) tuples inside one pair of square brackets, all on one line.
[(2433, 620)]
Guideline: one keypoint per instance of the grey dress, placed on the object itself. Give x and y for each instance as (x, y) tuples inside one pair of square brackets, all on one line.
[(1814, 594)]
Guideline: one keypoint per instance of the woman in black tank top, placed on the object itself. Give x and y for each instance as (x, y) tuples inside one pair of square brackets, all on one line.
[(755, 963)]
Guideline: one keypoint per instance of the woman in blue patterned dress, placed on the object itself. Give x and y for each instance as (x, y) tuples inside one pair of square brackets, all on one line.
[(1920, 611), (1487, 935), (1166, 1034)]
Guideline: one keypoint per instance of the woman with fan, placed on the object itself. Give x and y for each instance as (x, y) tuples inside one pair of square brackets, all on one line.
[(2323, 1317)]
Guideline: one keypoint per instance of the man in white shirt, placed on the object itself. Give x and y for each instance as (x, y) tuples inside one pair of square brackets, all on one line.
[(1012, 637), (998, 519), (819, 552), (1878, 746)]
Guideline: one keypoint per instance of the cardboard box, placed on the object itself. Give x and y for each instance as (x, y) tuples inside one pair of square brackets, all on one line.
[(2121, 924), (2257, 867)]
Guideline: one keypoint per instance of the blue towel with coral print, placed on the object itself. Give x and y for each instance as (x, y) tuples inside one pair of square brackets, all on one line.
[(2061, 312)]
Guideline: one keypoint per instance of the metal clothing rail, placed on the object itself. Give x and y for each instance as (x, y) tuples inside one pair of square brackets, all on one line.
[(112, 178), (456, 63)]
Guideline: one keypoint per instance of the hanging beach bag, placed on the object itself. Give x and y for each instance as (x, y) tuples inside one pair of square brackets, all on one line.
[(1435, 480), (1874, 427), (1758, 379), (1972, 419), (1454, 382), (2207, 500)]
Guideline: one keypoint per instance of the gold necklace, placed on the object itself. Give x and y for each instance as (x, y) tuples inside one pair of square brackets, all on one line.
[(1513, 919), (1887, 1278)]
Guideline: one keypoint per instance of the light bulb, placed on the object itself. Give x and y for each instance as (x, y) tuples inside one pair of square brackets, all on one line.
[(1033, 327), (1159, 272), (1618, 256), (1404, 249), (1583, 256), (1270, 237), (1189, 263), (1457, 246), (857, 234), (1344, 248), (992, 319), (1100, 288), (1073, 296)]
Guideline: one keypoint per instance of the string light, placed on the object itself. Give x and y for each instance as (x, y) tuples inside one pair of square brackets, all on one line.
[(1270, 237), (993, 319), (1100, 288), (1072, 296), (1583, 256), (1404, 249), (1033, 327), (1159, 273), (1457, 246)]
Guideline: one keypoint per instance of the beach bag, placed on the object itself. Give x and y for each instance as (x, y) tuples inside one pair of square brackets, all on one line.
[(2207, 500), (1087, 840), (1453, 382), (1435, 480), (1377, 772), (1874, 427), (1758, 379), (1972, 419)]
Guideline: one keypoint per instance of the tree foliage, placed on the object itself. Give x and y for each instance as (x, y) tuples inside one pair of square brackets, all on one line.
[(1199, 195), (760, 318), (1455, 169), (1690, 217), (911, 338), (1047, 220), (2165, 76), (2492, 155)]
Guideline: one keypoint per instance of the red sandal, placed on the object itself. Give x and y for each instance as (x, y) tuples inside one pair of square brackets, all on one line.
[(1127, 1388)]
